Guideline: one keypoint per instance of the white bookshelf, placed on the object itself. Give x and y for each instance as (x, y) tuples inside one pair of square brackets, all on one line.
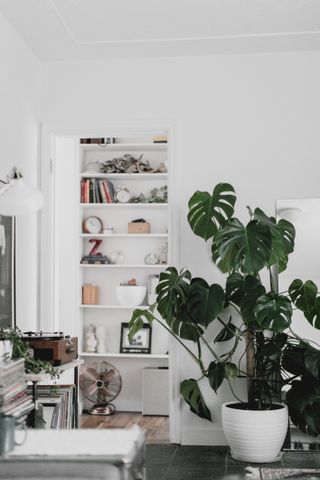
[(108, 311)]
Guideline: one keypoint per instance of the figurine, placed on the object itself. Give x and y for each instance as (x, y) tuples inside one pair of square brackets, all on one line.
[(101, 334), (91, 341)]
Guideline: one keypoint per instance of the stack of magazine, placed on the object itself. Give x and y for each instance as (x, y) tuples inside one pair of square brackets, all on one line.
[(14, 397), (55, 406)]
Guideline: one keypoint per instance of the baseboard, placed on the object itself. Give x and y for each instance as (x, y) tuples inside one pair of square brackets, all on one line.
[(198, 436)]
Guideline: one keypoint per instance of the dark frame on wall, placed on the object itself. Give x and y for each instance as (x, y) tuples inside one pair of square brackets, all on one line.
[(7, 271), (141, 342)]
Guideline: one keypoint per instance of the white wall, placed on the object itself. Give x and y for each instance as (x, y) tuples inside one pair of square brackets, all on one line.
[(252, 120), (20, 80)]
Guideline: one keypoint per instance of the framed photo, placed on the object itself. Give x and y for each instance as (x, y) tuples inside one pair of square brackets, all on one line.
[(7, 271), (141, 342)]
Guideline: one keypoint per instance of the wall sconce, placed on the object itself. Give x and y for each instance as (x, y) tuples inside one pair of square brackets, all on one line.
[(17, 198)]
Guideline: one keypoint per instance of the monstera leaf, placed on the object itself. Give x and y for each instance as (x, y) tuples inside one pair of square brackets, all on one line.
[(205, 302), (234, 288), (273, 312), (172, 290), (191, 393), (138, 320), (252, 291), (303, 401), (184, 326), (245, 248), (207, 213), (304, 296), (283, 235)]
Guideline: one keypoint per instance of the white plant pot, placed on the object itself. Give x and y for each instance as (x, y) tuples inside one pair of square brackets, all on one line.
[(5, 350), (131, 295), (255, 435)]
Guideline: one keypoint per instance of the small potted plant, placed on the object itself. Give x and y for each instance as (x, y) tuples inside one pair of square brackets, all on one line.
[(20, 349), (255, 319)]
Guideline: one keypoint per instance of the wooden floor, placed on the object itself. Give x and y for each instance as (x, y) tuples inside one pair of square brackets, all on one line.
[(156, 428)]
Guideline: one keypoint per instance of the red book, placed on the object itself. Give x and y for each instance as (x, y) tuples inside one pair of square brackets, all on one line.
[(106, 188), (82, 191)]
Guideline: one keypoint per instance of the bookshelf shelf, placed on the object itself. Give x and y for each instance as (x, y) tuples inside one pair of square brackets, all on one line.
[(124, 147), (114, 307), (154, 356), (124, 205), (124, 235), (123, 266), (126, 176)]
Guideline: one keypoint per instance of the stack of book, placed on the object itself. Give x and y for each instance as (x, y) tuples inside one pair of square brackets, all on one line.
[(14, 397), (94, 190)]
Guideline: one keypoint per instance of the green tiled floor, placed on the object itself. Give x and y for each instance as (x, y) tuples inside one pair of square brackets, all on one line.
[(172, 462)]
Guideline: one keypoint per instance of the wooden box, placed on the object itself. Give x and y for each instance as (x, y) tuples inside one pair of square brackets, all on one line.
[(89, 294), (138, 227)]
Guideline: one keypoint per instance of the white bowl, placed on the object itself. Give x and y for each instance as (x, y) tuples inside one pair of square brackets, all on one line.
[(131, 295)]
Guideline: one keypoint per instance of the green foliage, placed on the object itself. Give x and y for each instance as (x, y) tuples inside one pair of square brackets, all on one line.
[(250, 315), (207, 213), (20, 349), (191, 393), (242, 248)]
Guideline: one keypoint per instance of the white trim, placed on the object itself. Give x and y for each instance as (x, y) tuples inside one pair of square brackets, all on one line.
[(115, 128)]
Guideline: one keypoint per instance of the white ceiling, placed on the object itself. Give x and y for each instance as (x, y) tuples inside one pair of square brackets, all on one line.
[(97, 29)]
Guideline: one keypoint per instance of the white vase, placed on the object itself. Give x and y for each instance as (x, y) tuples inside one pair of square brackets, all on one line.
[(5, 350), (255, 435)]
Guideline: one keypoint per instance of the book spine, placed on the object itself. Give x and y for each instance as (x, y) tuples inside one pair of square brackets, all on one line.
[(106, 188), (98, 195), (91, 200), (82, 191), (102, 192), (92, 188), (87, 192)]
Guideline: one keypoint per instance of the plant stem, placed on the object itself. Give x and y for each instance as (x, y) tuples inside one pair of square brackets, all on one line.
[(216, 356), (194, 357)]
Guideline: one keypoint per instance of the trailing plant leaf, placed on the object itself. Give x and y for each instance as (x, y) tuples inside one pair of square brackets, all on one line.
[(230, 371), (273, 312), (172, 290), (207, 213), (205, 302), (227, 332), (244, 248), (192, 395), (216, 374)]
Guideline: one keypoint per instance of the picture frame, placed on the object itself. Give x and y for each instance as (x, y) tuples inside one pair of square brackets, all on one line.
[(141, 342), (7, 272)]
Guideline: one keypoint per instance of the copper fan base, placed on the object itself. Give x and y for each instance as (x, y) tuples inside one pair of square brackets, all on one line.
[(107, 409)]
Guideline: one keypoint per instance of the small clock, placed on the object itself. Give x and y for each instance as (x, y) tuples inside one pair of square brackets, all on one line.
[(92, 225), (122, 195)]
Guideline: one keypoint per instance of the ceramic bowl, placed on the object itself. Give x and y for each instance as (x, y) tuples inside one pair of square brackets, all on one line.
[(131, 295)]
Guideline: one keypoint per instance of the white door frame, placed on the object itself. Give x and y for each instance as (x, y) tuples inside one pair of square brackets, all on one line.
[(49, 131)]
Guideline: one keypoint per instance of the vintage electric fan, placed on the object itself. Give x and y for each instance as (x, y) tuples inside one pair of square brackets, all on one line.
[(100, 383)]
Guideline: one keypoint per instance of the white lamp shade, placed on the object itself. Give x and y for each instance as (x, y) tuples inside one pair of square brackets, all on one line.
[(17, 198)]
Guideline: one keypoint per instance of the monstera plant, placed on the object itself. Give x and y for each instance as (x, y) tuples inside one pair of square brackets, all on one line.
[(255, 319)]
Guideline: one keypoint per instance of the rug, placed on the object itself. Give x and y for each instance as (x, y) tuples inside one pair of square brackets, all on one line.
[(280, 473)]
